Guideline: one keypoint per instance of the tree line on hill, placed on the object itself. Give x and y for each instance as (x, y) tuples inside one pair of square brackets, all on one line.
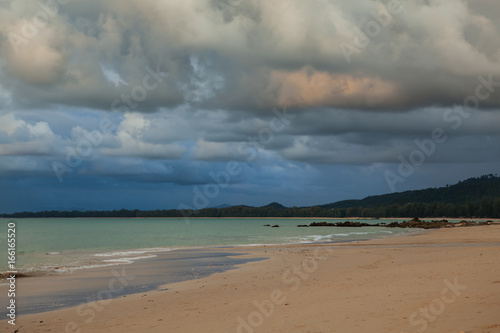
[(474, 197)]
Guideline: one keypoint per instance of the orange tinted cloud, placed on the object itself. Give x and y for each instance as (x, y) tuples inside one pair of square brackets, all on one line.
[(311, 88)]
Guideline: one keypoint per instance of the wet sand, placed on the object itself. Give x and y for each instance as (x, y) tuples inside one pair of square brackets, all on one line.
[(444, 280), (51, 292)]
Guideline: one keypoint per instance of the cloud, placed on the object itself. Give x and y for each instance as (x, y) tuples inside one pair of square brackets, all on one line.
[(164, 143), (130, 139), (310, 88), (18, 138), (251, 55), (113, 77), (202, 84), (190, 85), (214, 151)]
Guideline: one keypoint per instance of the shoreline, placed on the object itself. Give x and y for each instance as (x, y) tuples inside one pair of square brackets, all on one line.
[(353, 275), (43, 263), (131, 254), (43, 293), (266, 218)]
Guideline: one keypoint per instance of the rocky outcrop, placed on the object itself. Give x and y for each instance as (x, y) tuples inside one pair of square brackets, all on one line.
[(417, 223), (340, 224), (413, 223)]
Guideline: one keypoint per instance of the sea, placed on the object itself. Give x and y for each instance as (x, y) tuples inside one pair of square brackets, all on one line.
[(50, 245)]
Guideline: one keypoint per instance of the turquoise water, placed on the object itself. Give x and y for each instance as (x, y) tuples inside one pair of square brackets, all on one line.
[(67, 244)]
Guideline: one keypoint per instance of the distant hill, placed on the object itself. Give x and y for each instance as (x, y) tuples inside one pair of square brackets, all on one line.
[(472, 190), (474, 197), (222, 206), (274, 205)]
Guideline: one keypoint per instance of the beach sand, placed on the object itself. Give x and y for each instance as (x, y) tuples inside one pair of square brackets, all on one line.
[(445, 280)]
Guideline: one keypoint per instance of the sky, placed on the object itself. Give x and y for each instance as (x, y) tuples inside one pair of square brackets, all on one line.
[(197, 103)]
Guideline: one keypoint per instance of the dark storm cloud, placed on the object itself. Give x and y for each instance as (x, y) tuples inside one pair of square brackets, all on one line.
[(252, 55), (187, 86)]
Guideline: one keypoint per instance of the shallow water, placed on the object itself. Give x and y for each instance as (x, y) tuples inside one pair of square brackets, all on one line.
[(60, 245), (53, 292)]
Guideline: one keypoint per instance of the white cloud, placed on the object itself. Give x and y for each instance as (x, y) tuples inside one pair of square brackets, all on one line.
[(9, 123), (25, 139), (113, 77), (40, 130), (130, 134)]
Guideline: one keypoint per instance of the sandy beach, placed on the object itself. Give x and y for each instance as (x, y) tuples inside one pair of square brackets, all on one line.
[(443, 280)]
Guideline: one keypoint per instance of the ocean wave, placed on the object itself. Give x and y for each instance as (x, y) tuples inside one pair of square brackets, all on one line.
[(320, 238), (309, 239), (132, 252), (263, 244), (47, 270), (129, 260)]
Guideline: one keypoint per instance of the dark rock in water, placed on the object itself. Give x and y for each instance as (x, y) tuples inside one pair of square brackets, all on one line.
[(322, 224), (275, 226), (417, 223), (267, 225), (339, 224), (413, 223), (352, 224), (303, 226)]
